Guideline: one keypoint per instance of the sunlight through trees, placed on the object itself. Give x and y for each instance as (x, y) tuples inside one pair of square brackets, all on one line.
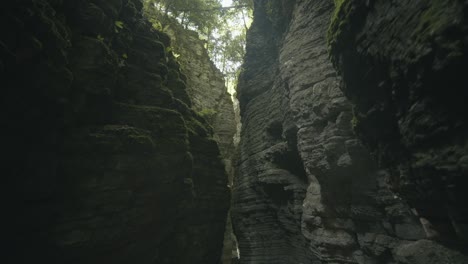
[(222, 24)]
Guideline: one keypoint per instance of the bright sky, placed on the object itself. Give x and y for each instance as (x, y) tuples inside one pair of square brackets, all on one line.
[(236, 26), (226, 2)]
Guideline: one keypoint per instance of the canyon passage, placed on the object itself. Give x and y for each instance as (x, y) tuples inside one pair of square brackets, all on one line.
[(227, 132)]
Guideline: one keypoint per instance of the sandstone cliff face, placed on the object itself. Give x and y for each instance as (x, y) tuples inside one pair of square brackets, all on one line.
[(307, 190), (403, 67), (107, 163), (206, 87)]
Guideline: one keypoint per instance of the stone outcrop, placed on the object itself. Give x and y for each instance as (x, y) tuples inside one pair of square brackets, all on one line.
[(206, 87), (307, 190), (107, 162), (353, 146), (403, 68)]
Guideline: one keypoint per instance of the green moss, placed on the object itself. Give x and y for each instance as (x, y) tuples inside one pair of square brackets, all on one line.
[(270, 9), (168, 127), (119, 24), (339, 20), (273, 12), (195, 127), (100, 38), (435, 18), (354, 122), (207, 112), (437, 23)]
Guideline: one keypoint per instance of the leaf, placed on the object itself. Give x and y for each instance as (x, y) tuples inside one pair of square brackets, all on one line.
[(100, 38), (125, 56), (156, 24), (119, 24)]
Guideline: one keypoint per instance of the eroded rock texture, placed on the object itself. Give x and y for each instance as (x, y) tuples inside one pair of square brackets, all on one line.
[(107, 162), (307, 190), (206, 87), (403, 67)]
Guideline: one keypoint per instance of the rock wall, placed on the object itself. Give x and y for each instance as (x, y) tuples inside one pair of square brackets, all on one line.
[(307, 190), (107, 162), (403, 68), (206, 87)]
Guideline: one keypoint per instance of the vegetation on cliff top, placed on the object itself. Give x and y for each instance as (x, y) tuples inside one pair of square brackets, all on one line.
[(222, 24)]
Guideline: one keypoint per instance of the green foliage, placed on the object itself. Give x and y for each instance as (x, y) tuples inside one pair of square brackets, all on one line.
[(119, 24), (271, 9), (227, 44), (100, 38), (354, 122), (196, 127), (157, 25), (339, 21), (435, 19), (171, 51), (200, 14), (224, 29), (247, 4), (347, 14), (207, 112)]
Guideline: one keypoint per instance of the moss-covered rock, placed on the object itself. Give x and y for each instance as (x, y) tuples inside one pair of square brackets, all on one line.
[(346, 15), (103, 147), (402, 68)]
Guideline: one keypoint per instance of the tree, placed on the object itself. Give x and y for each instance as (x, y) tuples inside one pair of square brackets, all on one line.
[(224, 28)]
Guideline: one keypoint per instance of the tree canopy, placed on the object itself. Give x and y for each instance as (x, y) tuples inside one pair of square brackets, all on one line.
[(224, 28)]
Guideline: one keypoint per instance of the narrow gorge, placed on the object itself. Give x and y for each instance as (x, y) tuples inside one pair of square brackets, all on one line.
[(346, 140)]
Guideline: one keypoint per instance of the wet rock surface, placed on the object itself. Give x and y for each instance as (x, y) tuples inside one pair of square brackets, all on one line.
[(307, 189), (106, 160)]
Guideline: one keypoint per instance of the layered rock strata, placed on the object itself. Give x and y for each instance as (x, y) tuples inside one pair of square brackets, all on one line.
[(306, 189), (206, 87), (403, 69), (210, 98), (107, 162)]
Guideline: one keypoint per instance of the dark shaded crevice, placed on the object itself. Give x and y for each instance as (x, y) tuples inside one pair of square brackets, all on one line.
[(290, 161), (287, 159), (278, 194), (275, 130)]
